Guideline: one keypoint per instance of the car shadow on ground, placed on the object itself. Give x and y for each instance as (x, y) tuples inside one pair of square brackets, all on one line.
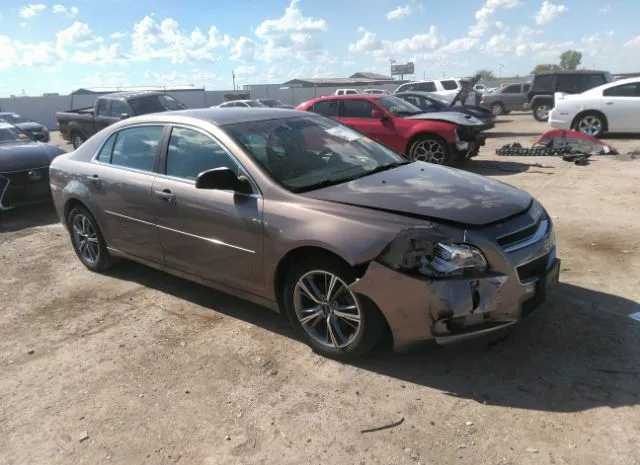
[(504, 168), (501, 134), (577, 353), (27, 217)]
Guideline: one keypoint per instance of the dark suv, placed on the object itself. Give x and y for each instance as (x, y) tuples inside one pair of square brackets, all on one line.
[(544, 85)]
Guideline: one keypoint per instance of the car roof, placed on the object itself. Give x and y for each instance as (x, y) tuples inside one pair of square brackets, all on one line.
[(575, 71), (222, 116), (130, 94)]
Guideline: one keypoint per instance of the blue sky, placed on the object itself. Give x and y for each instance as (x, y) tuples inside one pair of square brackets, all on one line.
[(66, 44)]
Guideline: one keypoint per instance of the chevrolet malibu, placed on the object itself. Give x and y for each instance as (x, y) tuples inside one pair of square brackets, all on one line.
[(308, 217)]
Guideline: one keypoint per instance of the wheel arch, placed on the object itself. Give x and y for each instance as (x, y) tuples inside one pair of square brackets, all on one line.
[(420, 134)]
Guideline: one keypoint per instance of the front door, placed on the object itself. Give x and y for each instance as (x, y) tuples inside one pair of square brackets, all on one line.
[(621, 106), (213, 234), (357, 114), (120, 180)]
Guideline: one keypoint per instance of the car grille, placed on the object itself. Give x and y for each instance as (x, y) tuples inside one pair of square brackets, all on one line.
[(19, 187), (519, 235)]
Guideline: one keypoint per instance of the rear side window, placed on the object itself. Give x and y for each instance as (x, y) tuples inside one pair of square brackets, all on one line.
[(136, 147), (449, 85), (351, 92), (102, 107), (543, 83), (104, 156), (624, 90), (407, 88), (569, 83), (428, 86), (591, 81), (357, 108), (513, 89), (327, 108)]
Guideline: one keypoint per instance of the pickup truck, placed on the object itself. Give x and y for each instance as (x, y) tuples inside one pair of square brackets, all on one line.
[(76, 126)]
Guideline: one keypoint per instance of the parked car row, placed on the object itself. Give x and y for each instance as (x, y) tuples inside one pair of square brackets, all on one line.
[(36, 130), (307, 216)]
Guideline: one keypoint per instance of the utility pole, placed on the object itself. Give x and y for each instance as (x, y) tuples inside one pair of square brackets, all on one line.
[(233, 77)]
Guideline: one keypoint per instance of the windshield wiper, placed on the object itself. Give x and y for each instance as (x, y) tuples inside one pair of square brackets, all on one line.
[(318, 185)]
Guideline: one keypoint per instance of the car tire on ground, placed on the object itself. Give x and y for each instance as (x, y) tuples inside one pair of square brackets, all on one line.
[(591, 123), (497, 109), (87, 240), (333, 320), (541, 111), (430, 148), (77, 140)]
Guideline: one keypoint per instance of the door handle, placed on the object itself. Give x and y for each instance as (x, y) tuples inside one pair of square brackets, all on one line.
[(165, 194), (609, 103), (95, 179)]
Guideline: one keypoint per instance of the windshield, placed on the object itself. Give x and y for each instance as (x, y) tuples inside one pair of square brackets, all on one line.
[(10, 117), (273, 102), (310, 152), (398, 106), (155, 104), (254, 103), (10, 134)]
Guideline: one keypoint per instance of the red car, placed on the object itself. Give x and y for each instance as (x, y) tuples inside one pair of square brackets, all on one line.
[(443, 138)]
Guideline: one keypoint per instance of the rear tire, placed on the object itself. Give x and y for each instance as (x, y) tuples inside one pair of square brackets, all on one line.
[(591, 123), (87, 240), (541, 112), (334, 321), (77, 140), (431, 149)]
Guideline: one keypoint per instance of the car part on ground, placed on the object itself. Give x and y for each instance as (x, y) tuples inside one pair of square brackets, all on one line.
[(572, 146), (398, 124), (24, 168), (233, 198), (540, 98)]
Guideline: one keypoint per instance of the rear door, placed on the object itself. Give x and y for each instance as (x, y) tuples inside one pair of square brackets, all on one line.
[(120, 179), (357, 114), (212, 234), (621, 106)]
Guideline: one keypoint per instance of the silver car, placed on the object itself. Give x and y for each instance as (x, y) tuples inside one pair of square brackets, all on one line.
[(512, 97)]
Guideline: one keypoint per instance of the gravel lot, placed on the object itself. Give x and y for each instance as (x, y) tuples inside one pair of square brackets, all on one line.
[(138, 367)]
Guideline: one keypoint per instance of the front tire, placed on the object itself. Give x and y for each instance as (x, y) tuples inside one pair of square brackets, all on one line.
[(497, 109), (591, 123), (431, 149), (77, 140), (87, 240), (541, 112), (332, 319)]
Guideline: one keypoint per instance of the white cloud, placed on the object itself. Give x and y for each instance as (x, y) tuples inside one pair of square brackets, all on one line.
[(386, 49), (549, 12), (152, 40), (100, 79), (195, 76), (118, 35), (634, 42), (499, 45), (403, 11), (605, 8), (244, 49), (293, 36), (31, 10), (369, 42), (610, 33), (456, 46), (60, 9), (484, 16)]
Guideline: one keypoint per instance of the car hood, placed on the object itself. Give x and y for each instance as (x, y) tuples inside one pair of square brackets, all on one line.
[(431, 192), (24, 156), (30, 126), (455, 117)]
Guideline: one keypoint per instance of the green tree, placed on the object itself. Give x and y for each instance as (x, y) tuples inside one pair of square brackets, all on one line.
[(570, 59), (485, 74), (545, 68)]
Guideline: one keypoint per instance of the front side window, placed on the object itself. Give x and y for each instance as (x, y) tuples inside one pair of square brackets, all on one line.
[(543, 83), (136, 147), (102, 107), (191, 152), (154, 103), (526, 88), (569, 83), (398, 107), (624, 90), (589, 81), (119, 108), (513, 89), (449, 85), (327, 108), (306, 153), (357, 108), (428, 86)]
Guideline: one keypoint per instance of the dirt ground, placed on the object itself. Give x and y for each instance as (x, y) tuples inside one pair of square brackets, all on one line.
[(138, 367)]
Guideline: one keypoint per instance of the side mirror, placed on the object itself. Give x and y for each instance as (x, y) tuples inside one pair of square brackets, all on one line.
[(223, 179), (124, 115), (377, 114)]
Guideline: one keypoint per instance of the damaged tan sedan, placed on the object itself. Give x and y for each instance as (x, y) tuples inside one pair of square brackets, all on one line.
[(301, 214)]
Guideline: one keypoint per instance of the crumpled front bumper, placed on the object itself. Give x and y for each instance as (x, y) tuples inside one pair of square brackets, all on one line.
[(420, 309)]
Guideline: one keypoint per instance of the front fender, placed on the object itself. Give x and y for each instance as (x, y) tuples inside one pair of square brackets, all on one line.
[(443, 129)]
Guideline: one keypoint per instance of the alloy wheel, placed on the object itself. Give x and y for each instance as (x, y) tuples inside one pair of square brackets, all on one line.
[(77, 141), (590, 125), (85, 239), (542, 112), (428, 150), (326, 309)]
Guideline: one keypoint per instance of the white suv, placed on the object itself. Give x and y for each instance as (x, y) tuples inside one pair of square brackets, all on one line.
[(447, 88), (346, 92)]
